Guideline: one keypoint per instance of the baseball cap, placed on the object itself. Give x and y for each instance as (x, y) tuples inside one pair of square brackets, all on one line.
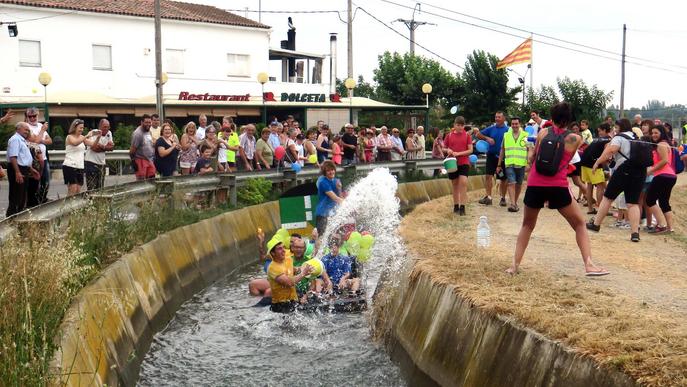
[(274, 123)]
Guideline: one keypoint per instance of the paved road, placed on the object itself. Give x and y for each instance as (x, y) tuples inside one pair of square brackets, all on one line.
[(57, 189)]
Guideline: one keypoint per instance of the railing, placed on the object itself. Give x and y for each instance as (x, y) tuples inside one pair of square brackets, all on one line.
[(131, 193)]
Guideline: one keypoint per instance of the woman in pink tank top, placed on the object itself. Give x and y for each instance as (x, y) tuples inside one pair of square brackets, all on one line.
[(663, 182), (542, 189)]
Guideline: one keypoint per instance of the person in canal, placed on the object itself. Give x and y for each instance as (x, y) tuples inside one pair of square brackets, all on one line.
[(283, 278)]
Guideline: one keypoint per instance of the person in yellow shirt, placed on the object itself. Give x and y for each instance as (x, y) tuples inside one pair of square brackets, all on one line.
[(282, 278)]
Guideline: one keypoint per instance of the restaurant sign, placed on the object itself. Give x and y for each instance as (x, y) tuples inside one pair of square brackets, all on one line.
[(301, 97), (186, 96)]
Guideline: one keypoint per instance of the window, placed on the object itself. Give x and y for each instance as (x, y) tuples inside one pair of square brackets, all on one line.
[(102, 57), (238, 65), (174, 61), (30, 53)]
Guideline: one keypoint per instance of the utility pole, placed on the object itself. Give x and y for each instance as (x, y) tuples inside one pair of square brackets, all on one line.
[(622, 77), (350, 38), (158, 62), (412, 25)]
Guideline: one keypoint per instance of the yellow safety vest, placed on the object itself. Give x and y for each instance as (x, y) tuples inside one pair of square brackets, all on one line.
[(515, 149)]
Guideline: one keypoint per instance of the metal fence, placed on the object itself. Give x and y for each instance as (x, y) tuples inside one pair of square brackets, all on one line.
[(223, 185)]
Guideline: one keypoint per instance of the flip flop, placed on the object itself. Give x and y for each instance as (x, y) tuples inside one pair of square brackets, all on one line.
[(597, 273)]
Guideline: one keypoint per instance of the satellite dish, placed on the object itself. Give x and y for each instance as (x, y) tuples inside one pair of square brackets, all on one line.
[(454, 109)]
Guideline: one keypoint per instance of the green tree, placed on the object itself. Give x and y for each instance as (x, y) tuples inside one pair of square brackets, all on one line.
[(482, 89), (588, 102), (539, 100), (362, 88), (400, 78)]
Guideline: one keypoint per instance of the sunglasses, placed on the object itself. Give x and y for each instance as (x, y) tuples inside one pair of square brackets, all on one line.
[(32, 116)]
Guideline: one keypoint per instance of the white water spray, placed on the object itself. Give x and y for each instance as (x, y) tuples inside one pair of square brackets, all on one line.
[(373, 206)]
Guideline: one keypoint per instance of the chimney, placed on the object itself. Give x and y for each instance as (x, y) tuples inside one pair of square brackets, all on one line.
[(332, 63)]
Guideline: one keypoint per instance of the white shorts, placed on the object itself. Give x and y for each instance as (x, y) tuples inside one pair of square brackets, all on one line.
[(186, 165)]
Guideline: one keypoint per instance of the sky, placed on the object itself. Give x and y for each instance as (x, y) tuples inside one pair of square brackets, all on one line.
[(655, 31)]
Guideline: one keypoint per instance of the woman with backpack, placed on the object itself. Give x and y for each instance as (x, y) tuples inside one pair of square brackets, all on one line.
[(629, 172), (663, 182), (548, 183)]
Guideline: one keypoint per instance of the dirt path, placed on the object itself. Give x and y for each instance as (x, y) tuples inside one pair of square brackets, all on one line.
[(653, 271)]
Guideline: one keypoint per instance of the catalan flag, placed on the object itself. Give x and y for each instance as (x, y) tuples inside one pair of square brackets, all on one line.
[(522, 54)]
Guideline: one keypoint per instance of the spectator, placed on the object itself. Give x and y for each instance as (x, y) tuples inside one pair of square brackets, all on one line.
[(575, 174), (514, 156), (384, 145), (323, 148), (282, 130), (360, 146), (204, 163), (264, 153), (211, 139), (166, 151), (142, 150), (663, 182), (233, 144), (370, 146), (420, 136), (99, 142), (337, 153), (202, 126), (310, 147), (598, 178), (300, 148), (8, 116), (20, 168), (154, 127), (458, 144), (189, 149), (626, 178), (494, 136), (397, 151), (412, 145), (33, 184), (349, 143), (223, 133), (274, 135), (438, 145), (247, 141), (74, 152), (291, 149), (39, 136)]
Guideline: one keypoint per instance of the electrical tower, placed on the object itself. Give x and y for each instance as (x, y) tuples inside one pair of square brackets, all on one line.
[(412, 25)]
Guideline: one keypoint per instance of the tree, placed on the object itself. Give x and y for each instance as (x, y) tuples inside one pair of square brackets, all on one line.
[(482, 89), (362, 88), (587, 102), (540, 101), (400, 78)]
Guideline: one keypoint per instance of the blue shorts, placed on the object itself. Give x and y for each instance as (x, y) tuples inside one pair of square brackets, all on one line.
[(515, 175)]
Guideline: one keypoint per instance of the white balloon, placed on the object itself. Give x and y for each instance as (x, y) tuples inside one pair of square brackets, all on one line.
[(454, 109)]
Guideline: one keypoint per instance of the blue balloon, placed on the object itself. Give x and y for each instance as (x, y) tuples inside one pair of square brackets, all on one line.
[(473, 159), (296, 167), (530, 130), (482, 146)]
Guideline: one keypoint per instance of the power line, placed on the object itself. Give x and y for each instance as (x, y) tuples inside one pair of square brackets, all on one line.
[(37, 18), (535, 33), (417, 44), (258, 11)]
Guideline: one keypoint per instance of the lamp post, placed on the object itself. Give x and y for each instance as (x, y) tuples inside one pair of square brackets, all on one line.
[(427, 89), (263, 77), (521, 79), (159, 99), (45, 79), (350, 85)]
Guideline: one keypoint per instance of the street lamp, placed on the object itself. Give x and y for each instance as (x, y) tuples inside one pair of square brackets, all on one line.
[(521, 79), (45, 79), (350, 85), (263, 78), (427, 89)]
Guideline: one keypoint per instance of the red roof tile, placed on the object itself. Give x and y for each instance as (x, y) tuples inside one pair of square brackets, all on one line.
[(170, 10)]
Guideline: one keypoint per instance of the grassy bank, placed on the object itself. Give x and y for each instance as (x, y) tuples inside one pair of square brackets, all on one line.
[(41, 271), (632, 320)]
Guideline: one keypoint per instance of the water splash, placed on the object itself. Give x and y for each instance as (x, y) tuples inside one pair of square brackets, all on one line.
[(373, 206)]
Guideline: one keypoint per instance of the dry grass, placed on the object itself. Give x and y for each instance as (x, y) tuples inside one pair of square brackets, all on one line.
[(613, 327)]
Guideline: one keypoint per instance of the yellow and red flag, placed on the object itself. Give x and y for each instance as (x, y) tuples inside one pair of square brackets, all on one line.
[(522, 54)]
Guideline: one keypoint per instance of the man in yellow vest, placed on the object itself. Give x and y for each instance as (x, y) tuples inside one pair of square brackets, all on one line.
[(514, 150)]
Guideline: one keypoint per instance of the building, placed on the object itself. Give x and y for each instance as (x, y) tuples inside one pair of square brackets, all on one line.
[(101, 58)]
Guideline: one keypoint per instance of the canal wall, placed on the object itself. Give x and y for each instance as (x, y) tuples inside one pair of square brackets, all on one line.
[(109, 326)]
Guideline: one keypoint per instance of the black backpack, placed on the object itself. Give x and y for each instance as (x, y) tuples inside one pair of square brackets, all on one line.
[(641, 153), (550, 153), (594, 151)]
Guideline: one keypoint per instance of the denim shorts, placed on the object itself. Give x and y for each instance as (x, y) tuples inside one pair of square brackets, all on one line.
[(515, 175)]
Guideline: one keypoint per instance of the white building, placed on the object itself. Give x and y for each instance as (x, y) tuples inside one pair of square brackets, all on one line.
[(101, 57)]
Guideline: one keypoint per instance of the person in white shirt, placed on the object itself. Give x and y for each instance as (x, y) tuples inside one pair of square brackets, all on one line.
[(38, 134), (202, 125), (74, 152), (420, 136), (397, 150), (99, 142)]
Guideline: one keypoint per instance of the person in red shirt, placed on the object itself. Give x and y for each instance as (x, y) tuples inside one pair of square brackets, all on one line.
[(458, 144)]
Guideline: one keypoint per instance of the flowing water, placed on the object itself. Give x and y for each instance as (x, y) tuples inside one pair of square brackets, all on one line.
[(218, 338)]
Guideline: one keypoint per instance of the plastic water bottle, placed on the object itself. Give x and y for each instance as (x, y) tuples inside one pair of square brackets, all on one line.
[(483, 233)]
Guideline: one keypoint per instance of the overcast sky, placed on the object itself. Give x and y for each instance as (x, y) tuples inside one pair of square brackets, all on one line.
[(656, 31)]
